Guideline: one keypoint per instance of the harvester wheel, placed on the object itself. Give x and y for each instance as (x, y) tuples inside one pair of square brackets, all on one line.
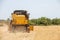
[(13, 28), (10, 28), (27, 28)]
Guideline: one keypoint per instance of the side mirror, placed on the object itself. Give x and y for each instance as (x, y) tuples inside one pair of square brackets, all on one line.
[(28, 14), (11, 13)]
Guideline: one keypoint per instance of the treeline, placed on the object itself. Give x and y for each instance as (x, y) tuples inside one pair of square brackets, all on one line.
[(45, 21)]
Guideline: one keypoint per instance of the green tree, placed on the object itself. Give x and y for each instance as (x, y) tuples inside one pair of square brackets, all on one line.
[(33, 21), (43, 20), (56, 21), (49, 21)]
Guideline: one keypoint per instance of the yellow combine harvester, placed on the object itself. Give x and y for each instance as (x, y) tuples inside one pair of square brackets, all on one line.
[(20, 18)]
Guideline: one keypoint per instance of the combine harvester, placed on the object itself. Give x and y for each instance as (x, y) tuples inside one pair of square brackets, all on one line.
[(20, 18)]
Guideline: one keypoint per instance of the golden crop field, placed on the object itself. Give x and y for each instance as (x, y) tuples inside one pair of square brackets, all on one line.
[(39, 33), (47, 33)]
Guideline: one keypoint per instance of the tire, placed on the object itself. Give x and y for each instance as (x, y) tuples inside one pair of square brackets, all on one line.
[(27, 28), (13, 28)]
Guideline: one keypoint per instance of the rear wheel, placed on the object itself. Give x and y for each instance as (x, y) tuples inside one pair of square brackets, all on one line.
[(27, 28), (13, 28)]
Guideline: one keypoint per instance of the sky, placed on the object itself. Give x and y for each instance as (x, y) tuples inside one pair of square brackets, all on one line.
[(36, 8)]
